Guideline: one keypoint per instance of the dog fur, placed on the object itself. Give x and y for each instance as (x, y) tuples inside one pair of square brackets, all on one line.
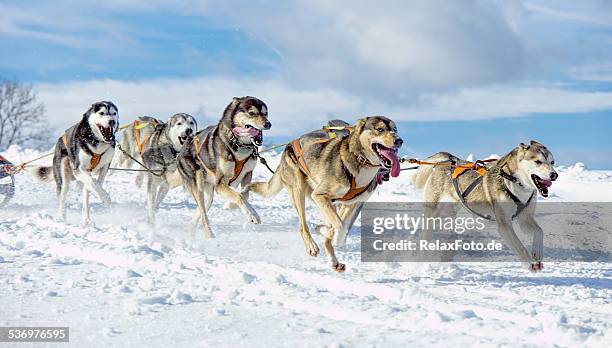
[(157, 149), (531, 165), (76, 152), (207, 163), (332, 165)]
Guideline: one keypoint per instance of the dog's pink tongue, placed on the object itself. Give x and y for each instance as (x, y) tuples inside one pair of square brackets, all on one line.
[(245, 132), (546, 183), (391, 155)]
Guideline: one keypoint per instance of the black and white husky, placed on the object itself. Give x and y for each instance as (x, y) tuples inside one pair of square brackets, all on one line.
[(83, 151)]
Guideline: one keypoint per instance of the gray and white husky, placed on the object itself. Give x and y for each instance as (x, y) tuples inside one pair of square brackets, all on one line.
[(82, 152), (156, 144), (508, 191)]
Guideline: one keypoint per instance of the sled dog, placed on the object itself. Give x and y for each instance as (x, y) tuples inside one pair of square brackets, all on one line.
[(156, 144), (223, 156), (334, 170), (83, 151), (506, 191)]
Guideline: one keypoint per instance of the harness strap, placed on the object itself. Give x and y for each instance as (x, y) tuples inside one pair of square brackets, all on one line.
[(137, 127), (463, 195), (95, 157), (353, 192), (238, 165), (298, 151), (197, 145)]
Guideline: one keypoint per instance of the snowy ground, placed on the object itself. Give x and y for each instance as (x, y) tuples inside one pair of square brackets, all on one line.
[(124, 283)]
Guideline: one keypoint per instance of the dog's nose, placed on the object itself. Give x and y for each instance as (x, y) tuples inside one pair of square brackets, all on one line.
[(398, 142), (267, 125), (553, 176), (188, 131)]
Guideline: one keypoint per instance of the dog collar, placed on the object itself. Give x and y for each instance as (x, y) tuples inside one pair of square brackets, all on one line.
[(361, 159)]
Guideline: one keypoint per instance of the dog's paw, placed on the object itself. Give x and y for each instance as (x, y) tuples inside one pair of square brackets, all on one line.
[(254, 217), (312, 249), (105, 198), (208, 234), (339, 267), (536, 266)]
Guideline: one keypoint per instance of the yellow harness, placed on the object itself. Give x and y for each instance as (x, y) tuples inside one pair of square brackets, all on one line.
[(136, 131)]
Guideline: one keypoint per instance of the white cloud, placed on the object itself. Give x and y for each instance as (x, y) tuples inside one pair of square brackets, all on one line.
[(296, 110)]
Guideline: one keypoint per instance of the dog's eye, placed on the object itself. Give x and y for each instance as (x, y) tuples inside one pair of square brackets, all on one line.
[(538, 162), (380, 130), (251, 113), (179, 124), (552, 163)]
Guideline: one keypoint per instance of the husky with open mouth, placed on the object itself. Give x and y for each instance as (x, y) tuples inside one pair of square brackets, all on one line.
[(507, 191), (340, 170), (156, 144), (82, 152), (223, 156)]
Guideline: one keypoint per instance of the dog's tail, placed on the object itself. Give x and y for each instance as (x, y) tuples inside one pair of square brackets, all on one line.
[(266, 189), (270, 188), (42, 173), (424, 171)]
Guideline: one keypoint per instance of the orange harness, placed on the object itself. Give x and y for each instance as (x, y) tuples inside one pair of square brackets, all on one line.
[(95, 157), (458, 169), (238, 164), (298, 151), (136, 131)]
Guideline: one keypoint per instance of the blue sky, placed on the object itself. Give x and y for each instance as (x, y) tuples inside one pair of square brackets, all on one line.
[(461, 76)]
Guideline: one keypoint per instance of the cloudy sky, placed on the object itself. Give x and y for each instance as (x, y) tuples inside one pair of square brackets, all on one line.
[(462, 76)]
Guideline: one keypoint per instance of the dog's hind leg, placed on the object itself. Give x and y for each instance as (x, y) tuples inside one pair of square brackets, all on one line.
[(298, 198), (529, 225), (151, 191), (332, 218), (63, 179)]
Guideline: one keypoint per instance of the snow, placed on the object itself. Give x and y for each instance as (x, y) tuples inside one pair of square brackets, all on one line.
[(123, 282)]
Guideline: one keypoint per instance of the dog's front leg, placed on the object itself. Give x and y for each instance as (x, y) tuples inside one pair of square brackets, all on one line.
[(161, 194), (208, 193), (332, 218), (225, 191), (92, 185), (246, 180), (151, 190), (504, 224), (197, 191), (85, 215), (529, 225), (348, 215)]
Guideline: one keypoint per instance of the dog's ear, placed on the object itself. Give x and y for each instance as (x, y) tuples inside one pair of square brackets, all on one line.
[(533, 142), (359, 125), (522, 146)]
